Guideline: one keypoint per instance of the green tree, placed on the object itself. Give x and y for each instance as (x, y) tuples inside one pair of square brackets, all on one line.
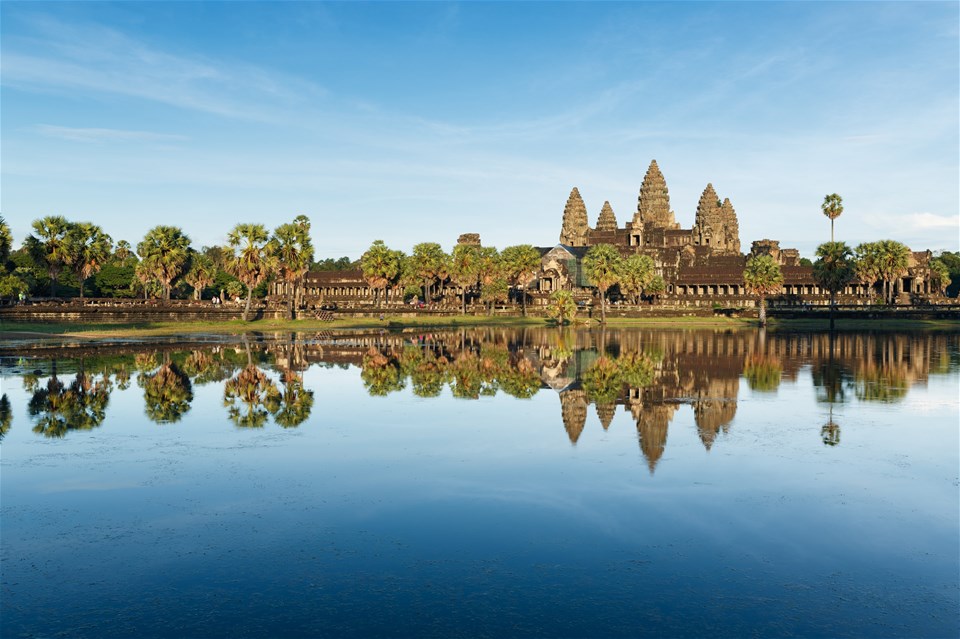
[(123, 251), (496, 290), (465, 269), (832, 207), (636, 274), (291, 253), (247, 395), (762, 277), (939, 275), (88, 249), (893, 258), (380, 266), (201, 274), (833, 270), (164, 253), (951, 259), (250, 263), (6, 242), (867, 264), (521, 263), (50, 247), (656, 287), (602, 265), (429, 262), (563, 308)]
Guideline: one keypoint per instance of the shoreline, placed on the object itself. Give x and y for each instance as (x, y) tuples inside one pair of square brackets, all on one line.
[(67, 330)]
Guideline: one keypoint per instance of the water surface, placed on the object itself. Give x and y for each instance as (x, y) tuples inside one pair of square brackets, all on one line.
[(490, 482)]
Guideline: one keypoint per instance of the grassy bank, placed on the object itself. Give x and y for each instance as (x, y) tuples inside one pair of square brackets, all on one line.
[(156, 329)]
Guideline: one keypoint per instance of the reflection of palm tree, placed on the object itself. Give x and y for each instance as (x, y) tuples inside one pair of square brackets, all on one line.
[(59, 409), (762, 373), (6, 416), (603, 381), (167, 393), (830, 433), (380, 373), (246, 395), (520, 379), (884, 383), (292, 405)]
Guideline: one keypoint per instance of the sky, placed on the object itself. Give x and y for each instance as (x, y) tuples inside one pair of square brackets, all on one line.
[(412, 122)]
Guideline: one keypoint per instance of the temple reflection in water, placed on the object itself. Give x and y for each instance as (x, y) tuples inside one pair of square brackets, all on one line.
[(648, 374)]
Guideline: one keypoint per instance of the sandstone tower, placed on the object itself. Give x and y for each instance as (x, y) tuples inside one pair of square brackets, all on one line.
[(653, 205), (607, 220), (576, 228)]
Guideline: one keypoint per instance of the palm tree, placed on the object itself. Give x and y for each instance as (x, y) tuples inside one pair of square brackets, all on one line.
[(939, 276), (88, 249), (602, 265), (563, 307), (522, 263), (429, 261), (201, 274), (656, 287), (832, 207), (867, 264), (250, 263), (122, 251), (164, 252), (636, 273), (50, 247), (833, 270), (167, 393), (380, 266), (465, 268), (291, 252), (893, 258), (6, 241), (762, 277)]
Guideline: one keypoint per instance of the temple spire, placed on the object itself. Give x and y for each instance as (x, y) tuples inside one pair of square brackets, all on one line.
[(653, 205), (575, 223), (607, 220)]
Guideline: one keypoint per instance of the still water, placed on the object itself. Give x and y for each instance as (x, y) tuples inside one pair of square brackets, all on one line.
[(484, 483)]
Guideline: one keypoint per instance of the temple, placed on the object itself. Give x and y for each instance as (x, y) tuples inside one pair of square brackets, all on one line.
[(701, 266)]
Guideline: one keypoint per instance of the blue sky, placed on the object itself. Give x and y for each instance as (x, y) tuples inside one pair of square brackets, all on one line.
[(414, 122)]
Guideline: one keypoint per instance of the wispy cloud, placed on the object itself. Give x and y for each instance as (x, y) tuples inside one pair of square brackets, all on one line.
[(75, 134), (62, 57)]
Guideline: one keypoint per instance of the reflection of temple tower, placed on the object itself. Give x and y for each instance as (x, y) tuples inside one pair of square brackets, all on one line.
[(605, 413), (652, 423), (573, 405), (716, 408)]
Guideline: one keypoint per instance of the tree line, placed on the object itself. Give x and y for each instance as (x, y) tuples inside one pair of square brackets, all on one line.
[(165, 265)]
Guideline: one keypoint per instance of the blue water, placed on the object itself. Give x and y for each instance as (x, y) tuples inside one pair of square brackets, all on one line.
[(413, 495)]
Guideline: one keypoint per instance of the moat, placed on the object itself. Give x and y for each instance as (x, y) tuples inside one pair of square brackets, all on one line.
[(484, 482)]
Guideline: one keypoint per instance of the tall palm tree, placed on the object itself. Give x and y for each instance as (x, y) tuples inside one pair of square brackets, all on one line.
[(893, 258), (867, 265), (291, 252), (636, 274), (602, 265), (50, 246), (522, 263), (164, 252), (833, 270), (380, 266), (201, 274), (429, 261), (762, 277), (6, 241), (832, 207), (88, 249), (465, 269), (250, 263)]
